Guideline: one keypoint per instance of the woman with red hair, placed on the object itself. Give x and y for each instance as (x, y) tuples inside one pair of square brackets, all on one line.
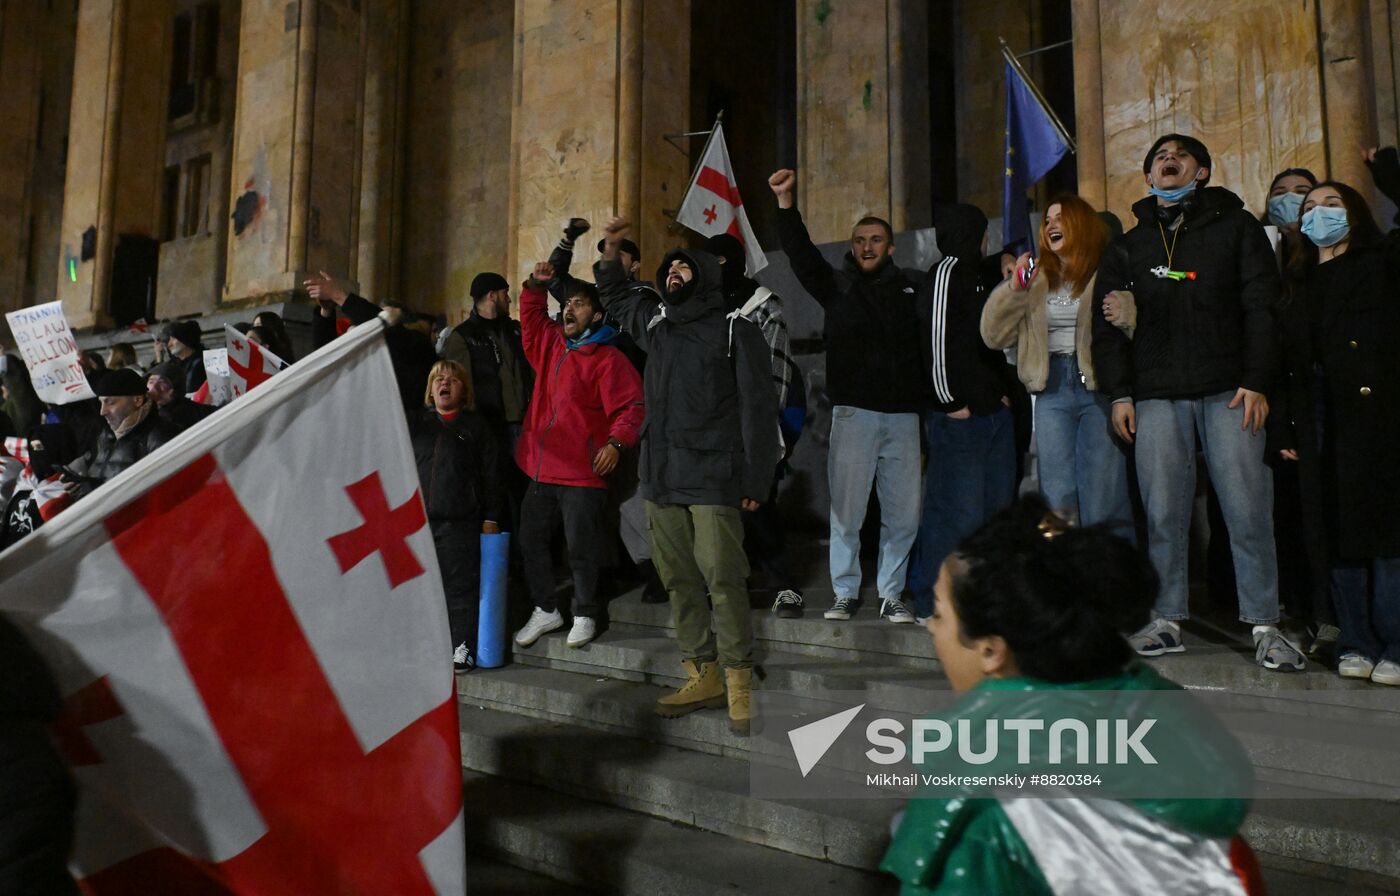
[(1043, 314)]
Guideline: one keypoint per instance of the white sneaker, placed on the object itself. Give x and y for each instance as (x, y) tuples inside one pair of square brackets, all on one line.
[(541, 623), (893, 609), (1273, 651), (1386, 672), (1354, 665), (462, 659), (584, 630), (1157, 637), (842, 609)]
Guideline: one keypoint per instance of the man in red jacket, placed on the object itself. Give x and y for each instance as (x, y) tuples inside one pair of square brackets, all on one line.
[(586, 410)]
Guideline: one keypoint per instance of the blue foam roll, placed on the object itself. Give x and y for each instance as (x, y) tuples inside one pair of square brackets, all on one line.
[(491, 629)]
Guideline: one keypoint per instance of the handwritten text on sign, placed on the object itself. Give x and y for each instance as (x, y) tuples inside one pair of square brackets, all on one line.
[(50, 352)]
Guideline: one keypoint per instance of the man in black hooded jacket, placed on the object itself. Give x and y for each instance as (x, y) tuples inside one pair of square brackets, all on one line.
[(1198, 365), (709, 447)]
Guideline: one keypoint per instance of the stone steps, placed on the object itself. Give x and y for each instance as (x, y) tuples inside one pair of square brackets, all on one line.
[(605, 849), (1357, 837)]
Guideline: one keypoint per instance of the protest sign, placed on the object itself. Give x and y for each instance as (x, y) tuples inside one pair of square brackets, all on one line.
[(217, 373), (51, 353)]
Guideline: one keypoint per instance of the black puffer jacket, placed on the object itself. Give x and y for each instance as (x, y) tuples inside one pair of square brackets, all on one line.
[(1194, 337), (113, 456), (872, 334), (457, 467), (711, 434), (36, 828)]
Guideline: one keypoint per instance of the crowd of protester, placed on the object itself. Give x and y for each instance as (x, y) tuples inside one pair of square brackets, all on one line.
[(658, 415)]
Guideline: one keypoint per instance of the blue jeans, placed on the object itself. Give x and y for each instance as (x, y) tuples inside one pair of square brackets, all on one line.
[(971, 475), (1083, 468), (1166, 463), (1369, 617), (871, 447)]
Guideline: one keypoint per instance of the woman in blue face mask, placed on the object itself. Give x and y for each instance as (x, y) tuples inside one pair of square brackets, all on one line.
[(1340, 322), (1284, 207)]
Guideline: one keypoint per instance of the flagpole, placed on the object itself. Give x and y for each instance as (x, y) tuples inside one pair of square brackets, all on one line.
[(1015, 63), (694, 175)]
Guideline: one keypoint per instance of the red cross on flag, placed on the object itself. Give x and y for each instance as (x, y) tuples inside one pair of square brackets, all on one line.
[(250, 629), (249, 364), (712, 204)]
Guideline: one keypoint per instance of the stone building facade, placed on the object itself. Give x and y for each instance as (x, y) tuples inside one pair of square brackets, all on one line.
[(168, 158)]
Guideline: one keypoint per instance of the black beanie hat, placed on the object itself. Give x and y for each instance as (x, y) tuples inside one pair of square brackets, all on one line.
[(121, 382), (188, 332), (172, 371), (1196, 148), (725, 246), (487, 281)]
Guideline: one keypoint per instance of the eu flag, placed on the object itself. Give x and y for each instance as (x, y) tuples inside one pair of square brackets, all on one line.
[(1033, 146)]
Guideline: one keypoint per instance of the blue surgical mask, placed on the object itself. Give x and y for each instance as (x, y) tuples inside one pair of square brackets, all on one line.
[(1176, 195), (1283, 209), (1326, 225)]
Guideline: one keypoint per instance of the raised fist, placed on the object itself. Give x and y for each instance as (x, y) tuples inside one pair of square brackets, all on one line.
[(782, 182), (576, 228), (542, 274), (616, 230)]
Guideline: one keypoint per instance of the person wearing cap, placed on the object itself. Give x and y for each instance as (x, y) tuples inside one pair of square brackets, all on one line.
[(488, 344), (173, 406), (184, 343), (1198, 366), (134, 428)]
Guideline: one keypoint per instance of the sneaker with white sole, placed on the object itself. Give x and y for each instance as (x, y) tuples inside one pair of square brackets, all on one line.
[(788, 605), (893, 609), (1386, 672), (843, 609), (1157, 637), (541, 622), (462, 660), (1354, 665), (1273, 651), (584, 630)]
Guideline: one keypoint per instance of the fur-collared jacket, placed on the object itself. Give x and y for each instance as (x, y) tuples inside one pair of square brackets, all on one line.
[(1017, 319)]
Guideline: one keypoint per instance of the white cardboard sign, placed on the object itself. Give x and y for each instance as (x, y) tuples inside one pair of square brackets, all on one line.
[(217, 373), (50, 352)]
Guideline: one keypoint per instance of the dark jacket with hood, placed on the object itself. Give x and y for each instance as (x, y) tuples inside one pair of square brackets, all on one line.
[(181, 413), (711, 434), (1197, 337), (964, 372), (194, 372), (36, 828), (873, 353)]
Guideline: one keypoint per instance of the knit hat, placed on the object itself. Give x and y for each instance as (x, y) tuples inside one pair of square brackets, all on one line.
[(113, 383), (187, 332), (487, 281), (172, 371)]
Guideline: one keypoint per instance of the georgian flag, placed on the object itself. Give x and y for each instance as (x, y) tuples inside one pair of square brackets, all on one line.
[(250, 631), (712, 204), (249, 364)]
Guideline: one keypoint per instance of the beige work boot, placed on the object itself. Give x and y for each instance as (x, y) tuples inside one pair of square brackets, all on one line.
[(703, 690), (738, 682)]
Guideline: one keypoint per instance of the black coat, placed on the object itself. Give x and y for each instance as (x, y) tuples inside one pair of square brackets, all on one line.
[(36, 828), (1194, 337), (711, 433), (194, 371), (457, 467), (1341, 348), (181, 413), (474, 344), (113, 456), (410, 351), (874, 352)]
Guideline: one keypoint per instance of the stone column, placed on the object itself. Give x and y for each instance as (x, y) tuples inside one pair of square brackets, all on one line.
[(1349, 91), (381, 161), (117, 130), (295, 145), (1088, 104), (20, 71), (595, 90)]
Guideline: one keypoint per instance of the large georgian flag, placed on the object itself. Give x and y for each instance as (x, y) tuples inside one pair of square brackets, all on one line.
[(712, 204), (250, 629)]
